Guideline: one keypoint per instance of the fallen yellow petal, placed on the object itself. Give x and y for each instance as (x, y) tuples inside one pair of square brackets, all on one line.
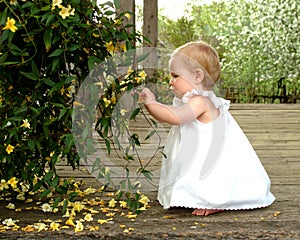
[(277, 213)]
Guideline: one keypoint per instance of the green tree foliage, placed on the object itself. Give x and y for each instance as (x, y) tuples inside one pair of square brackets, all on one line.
[(261, 39), (176, 33), (257, 42)]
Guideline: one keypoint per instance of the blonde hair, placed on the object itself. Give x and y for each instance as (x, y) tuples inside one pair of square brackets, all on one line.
[(201, 54)]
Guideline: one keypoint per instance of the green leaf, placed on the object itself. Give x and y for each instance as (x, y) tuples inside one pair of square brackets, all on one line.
[(45, 8), (45, 193), (49, 19), (150, 135), (148, 175), (135, 138), (63, 22), (64, 209), (56, 202), (92, 62), (10, 63), (55, 64), (74, 47), (55, 181), (3, 57), (117, 4), (48, 176), (35, 69), (56, 52), (31, 76), (142, 57), (20, 110), (107, 143), (47, 39), (15, 50), (3, 17), (37, 186), (49, 82), (46, 131), (135, 112), (31, 144), (109, 12), (62, 113), (27, 4), (4, 35)]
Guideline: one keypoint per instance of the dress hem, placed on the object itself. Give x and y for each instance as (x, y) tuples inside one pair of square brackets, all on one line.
[(229, 209)]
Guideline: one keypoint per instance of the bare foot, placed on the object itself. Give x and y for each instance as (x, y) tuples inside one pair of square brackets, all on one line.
[(205, 212)]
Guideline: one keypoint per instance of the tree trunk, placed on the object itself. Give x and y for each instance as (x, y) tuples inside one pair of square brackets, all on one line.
[(150, 13), (129, 6), (150, 30)]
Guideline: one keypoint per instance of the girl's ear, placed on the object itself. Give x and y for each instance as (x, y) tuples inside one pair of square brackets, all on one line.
[(199, 75)]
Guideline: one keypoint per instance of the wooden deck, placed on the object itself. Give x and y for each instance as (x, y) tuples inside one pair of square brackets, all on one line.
[(273, 130)]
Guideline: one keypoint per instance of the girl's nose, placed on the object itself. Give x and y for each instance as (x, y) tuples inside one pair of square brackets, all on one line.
[(171, 82)]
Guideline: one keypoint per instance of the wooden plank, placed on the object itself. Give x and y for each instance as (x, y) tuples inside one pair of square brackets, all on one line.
[(273, 130), (251, 106)]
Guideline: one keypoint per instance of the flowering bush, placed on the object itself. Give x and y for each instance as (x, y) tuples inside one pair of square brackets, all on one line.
[(260, 41), (46, 51)]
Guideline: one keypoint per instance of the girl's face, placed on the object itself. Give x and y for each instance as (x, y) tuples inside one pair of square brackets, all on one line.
[(182, 79)]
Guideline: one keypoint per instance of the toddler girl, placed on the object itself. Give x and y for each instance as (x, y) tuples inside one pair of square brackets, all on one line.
[(210, 165)]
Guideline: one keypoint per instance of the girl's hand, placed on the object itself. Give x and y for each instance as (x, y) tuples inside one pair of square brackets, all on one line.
[(146, 96)]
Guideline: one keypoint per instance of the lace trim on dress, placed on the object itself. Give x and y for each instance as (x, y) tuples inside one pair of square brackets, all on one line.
[(217, 101)]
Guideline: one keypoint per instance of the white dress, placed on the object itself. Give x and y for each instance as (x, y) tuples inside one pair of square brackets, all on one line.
[(212, 165)]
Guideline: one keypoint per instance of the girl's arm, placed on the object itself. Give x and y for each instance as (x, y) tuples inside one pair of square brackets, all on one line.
[(170, 114)]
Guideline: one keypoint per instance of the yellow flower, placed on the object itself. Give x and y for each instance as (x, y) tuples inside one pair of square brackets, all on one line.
[(78, 206), (40, 226), (96, 35), (93, 228), (129, 72), (11, 206), (144, 200), (89, 190), (113, 100), (13, 2), (54, 226), (9, 149), (9, 222), (3, 185), (101, 221), (25, 124), (130, 215), (13, 182), (123, 111), (122, 225), (79, 226), (137, 79), (46, 207), (122, 46), (142, 208), (56, 3), (10, 24), (88, 217), (123, 204), (70, 222), (110, 46), (118, 21), (112, 203), (21, 196), (71, 10), (127, 15), (66, 11), (143, 75), (106, 102)]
